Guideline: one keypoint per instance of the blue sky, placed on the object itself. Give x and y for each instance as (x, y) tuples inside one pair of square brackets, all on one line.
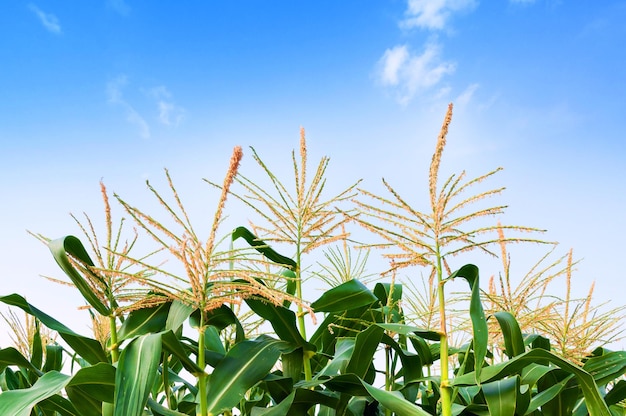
[(117, 90)]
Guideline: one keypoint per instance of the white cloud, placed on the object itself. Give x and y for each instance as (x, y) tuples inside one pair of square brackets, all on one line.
[(170, 114), (464, 98), (408, 74), (120, 6), (115, 96), (433, 14), (48, 20)]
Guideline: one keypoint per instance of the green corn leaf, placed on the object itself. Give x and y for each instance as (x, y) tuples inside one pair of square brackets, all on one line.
[(280, 409), (349, 295), (60, 405), (136, 373), (60, 248), (178, 314), (89, 349), (291, 285), (404, 329), (54, 358), (394, 401), (606, 367), (365, 345), (97, 381), (480, 331), (21, 402), (172, 345), (617, 393), (568, 396), (343, 351), (548, 395), (144, 321), (244, 365), (283, 321), (501, 396), (595, 403), (36, 356), (533, 372), (220, 318), (263, 248), (162, 410), (513, 338), (11, 356), (85, 404)]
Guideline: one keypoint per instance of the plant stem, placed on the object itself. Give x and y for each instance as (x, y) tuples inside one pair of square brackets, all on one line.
[(306, 356), (114, 347), (202, 389), (445, 388), (109, 408)]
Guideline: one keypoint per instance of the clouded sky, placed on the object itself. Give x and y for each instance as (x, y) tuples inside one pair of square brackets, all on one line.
[(117, 90)]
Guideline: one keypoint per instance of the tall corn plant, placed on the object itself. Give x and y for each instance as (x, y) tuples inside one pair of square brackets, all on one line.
[(302, 218), (430, 238), (211, 277)]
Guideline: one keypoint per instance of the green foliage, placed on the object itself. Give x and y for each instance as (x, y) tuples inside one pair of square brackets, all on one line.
[(370, 354)]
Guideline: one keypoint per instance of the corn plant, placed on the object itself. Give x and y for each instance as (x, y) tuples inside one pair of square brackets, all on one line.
[(380, 346)]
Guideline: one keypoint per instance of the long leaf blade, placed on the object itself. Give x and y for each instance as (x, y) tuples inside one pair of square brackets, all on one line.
[(89, 349), (60, 248), (349, 295), (246, 364), (21, 402), (136, 373)]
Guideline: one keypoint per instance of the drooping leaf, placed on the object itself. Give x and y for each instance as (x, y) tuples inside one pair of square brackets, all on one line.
[(136, 373), (60, 248), (11, 356), (88, 349), (21, 402), (606, 367), (513, 338), (263, 248), (349, 295), (283, 321)]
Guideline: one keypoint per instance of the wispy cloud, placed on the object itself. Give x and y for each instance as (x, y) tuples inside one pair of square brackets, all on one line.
[(170, 114), (120, 6), (434, 14), (115, 96), (408, 74), (464, 98), (48, 20)]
